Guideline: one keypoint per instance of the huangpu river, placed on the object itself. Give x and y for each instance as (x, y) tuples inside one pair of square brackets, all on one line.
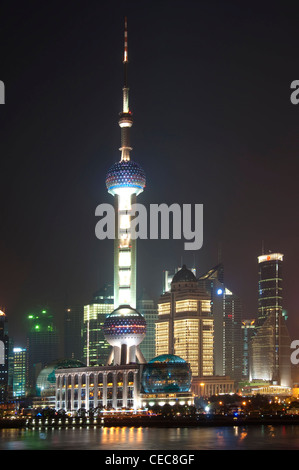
[(252, 437)]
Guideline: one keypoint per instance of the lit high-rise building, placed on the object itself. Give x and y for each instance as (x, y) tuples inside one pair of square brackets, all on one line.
[(269, 286), (233, 341), (20, 372), (96, 349), (211, 285), (248, 330), (4, 352), (226, 309), (270, 347), (185, 326)]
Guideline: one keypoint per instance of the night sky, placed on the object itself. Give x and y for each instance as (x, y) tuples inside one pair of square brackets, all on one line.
[(213, 125)]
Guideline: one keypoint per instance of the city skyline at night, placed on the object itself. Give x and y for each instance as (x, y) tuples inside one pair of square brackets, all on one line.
[(149, 330), (214, 125)]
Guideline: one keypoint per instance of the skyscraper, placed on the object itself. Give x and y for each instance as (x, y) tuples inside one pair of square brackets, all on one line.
[(185, 326), (211, 285), (95, 347), (42, 343), (226, 309), (233, 340), (73, 326), (20, 372), (269, 286), (4, 350), (146, 306), (270, 347), (248, 330)]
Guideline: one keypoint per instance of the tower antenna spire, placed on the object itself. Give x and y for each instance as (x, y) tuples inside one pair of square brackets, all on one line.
[(125, 121), (126, 41), (125, 62)]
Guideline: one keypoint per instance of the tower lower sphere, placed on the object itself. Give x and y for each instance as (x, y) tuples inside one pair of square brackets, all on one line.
[(124, 329)]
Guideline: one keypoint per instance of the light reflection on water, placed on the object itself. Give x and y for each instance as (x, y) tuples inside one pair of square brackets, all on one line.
[(131, 438)]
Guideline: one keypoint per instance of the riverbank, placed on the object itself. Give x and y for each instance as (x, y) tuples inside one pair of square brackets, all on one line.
[(13, 423), (155, 421)]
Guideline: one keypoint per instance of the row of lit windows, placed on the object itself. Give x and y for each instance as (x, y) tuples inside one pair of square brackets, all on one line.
[(164, 308), (100, 385), (205, 306), (91, 312), (187, 331), (162, 338), (187, 305)]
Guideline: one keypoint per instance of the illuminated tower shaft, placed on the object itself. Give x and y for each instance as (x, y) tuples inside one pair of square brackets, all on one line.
[(124, 253)]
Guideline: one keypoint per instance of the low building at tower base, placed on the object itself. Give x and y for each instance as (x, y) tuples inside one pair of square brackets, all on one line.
[(98, 387), (212, 385)]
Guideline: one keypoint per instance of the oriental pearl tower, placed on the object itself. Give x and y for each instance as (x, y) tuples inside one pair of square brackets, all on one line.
[(125, 328)]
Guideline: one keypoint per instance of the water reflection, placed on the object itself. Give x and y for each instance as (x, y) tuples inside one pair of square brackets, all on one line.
[(121, 435), (131, 438)]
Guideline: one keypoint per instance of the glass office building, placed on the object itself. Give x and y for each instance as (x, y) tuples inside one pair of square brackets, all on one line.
[(19, 372), (270, 347), (269, 286), (96, 349)]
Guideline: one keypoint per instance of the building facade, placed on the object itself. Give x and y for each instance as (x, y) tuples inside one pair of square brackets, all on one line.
[(43, 343), (113, 387), (205, 387), (146, 306), (20, 372), (4, 356), (270, 347), (73, 327), (227, 311), (96, 348), (248, 331), (269, 286), (185, 326)]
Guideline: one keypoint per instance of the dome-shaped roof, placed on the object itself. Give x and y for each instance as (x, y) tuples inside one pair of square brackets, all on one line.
[(167, 358), (166, 374), (184, 275), (46, 380), (124, 311), (125, 174)]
